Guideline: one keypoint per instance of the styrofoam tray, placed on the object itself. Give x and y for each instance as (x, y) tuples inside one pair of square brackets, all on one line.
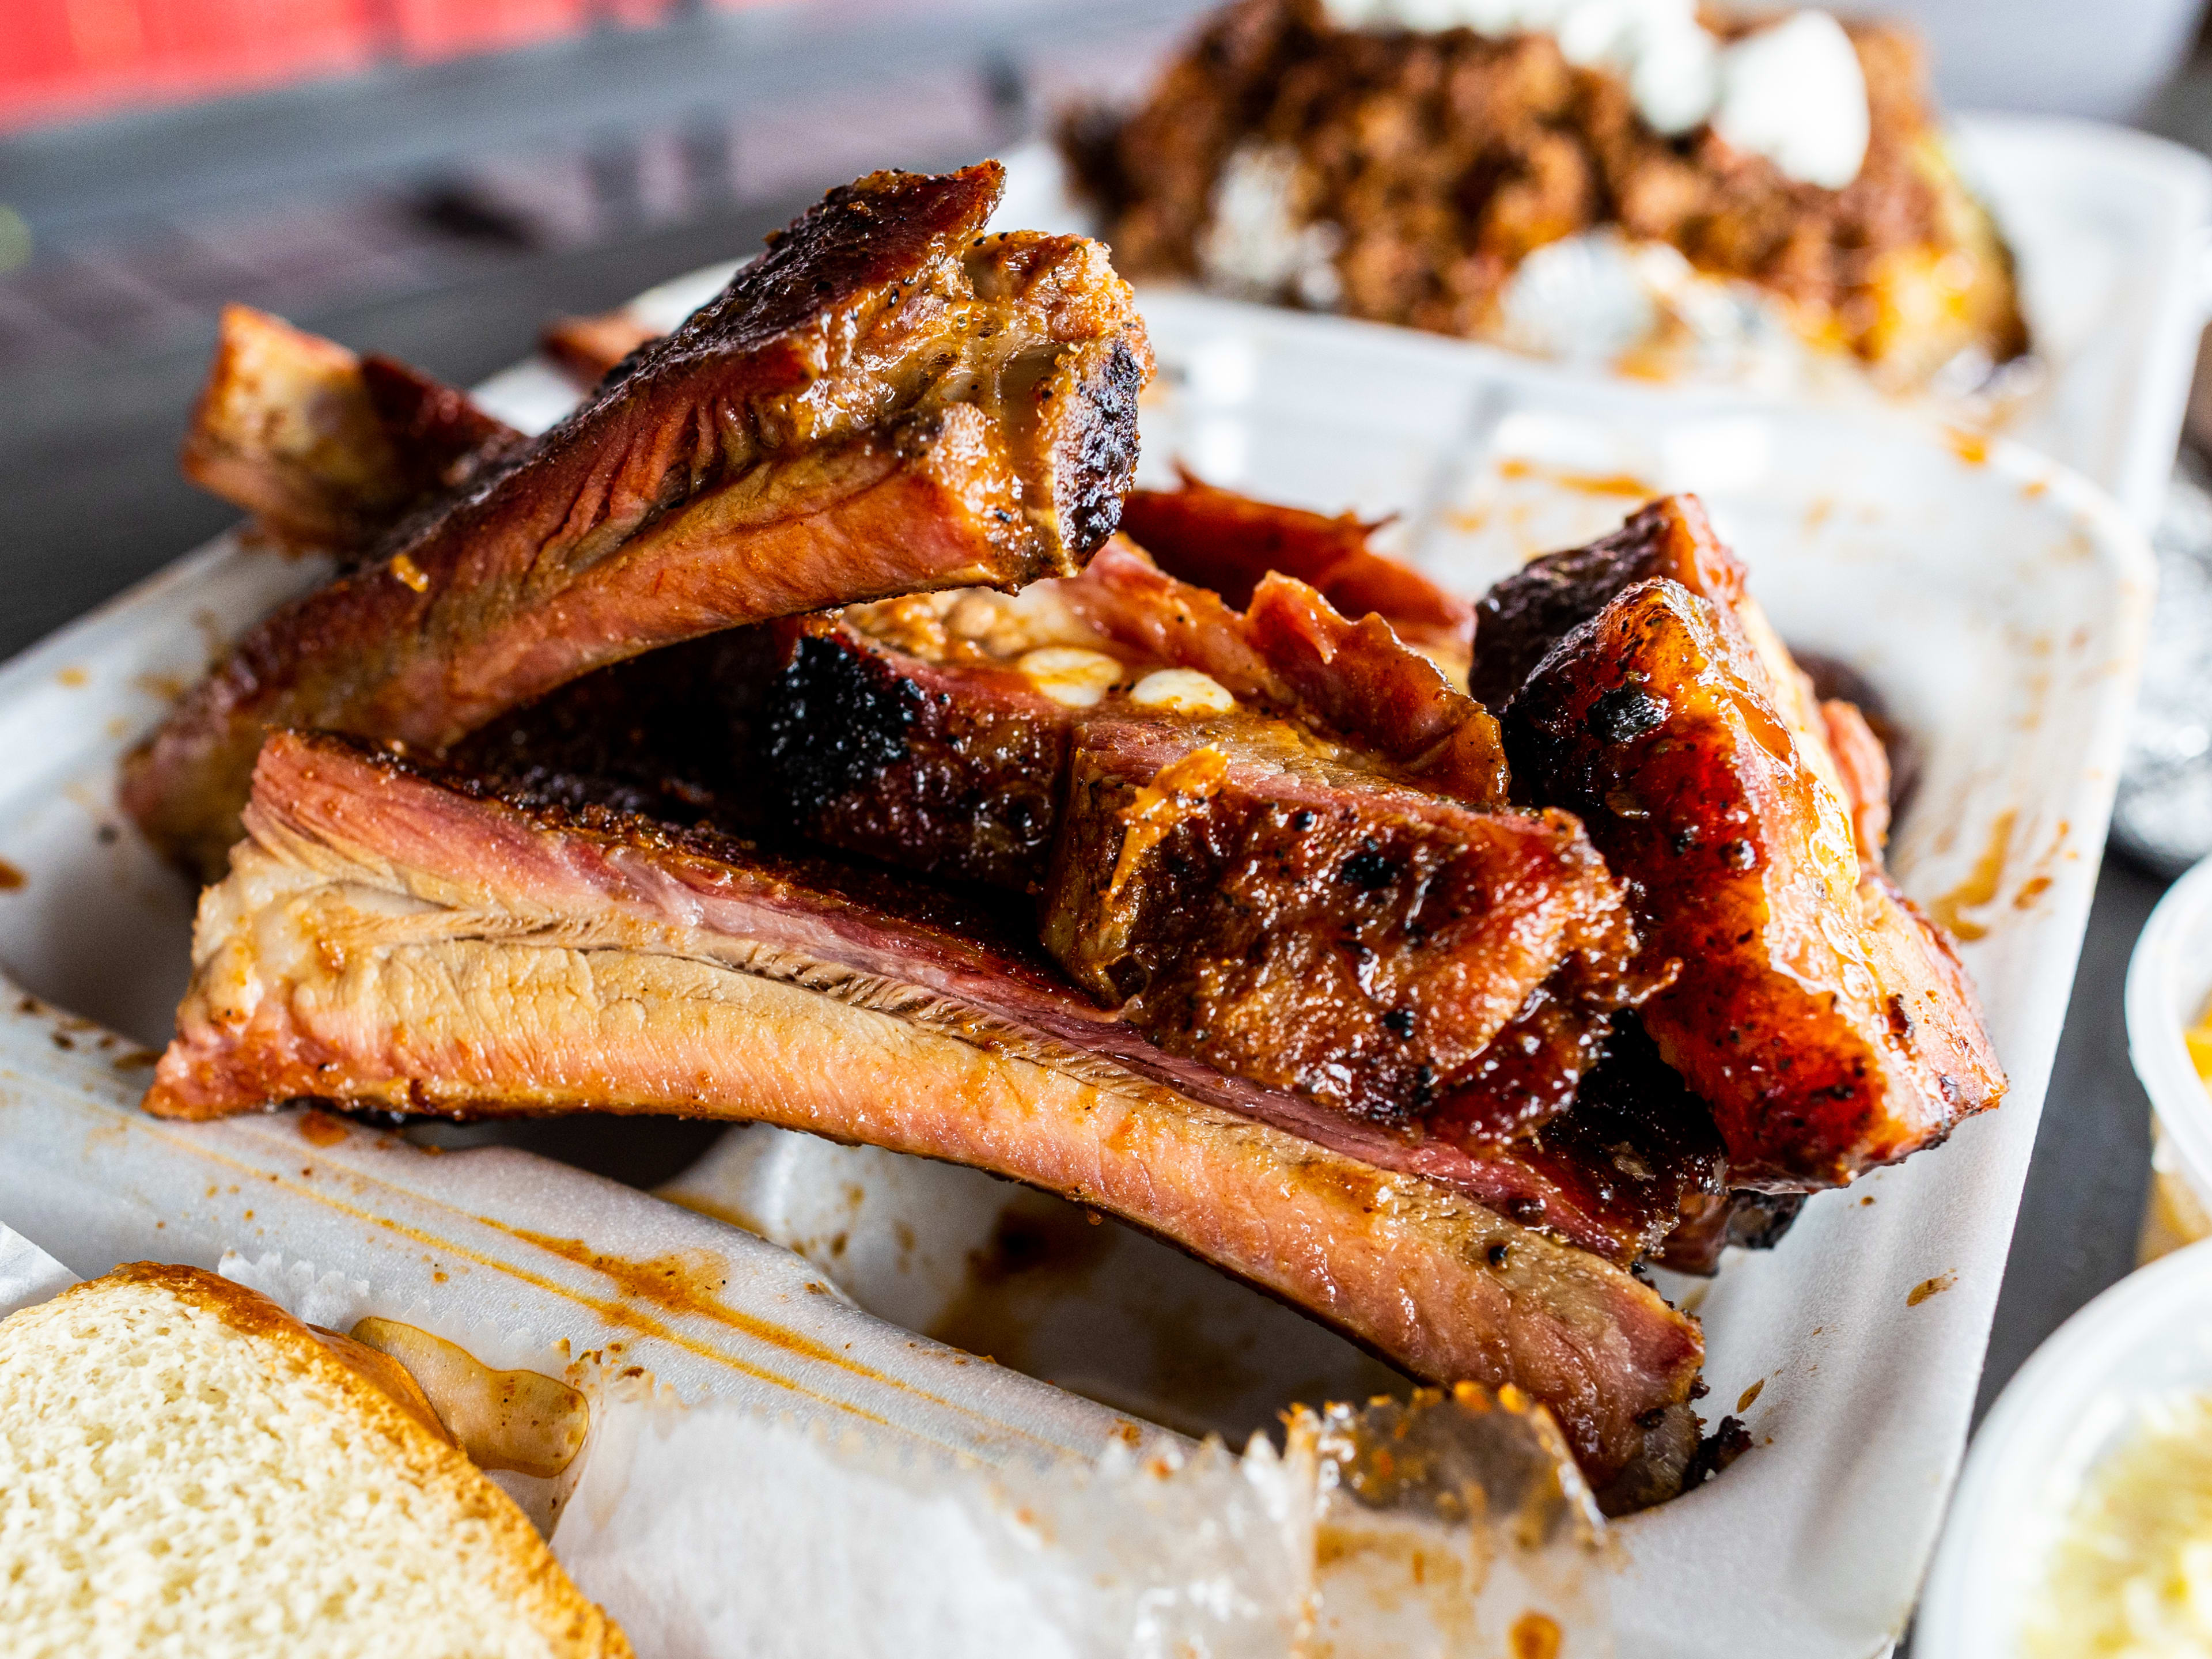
[(1998, 605)]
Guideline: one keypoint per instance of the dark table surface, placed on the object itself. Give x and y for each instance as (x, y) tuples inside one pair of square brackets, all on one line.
[(87, 468)]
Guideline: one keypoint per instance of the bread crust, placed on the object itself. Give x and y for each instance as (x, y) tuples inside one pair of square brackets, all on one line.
[(575, 1627)]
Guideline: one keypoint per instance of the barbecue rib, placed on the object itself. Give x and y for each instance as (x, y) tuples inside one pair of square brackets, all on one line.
[(1219, 539), (1273, 837), (885, 401), (1209, 537), (325, 448), (1825, 1021), (388, 939)]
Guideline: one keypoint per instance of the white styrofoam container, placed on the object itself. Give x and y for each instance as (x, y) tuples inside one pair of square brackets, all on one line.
[(2169, 989), (2110, 229), (1998, 604)]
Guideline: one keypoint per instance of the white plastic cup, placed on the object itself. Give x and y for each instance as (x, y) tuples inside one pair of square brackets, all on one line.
[(2063, 1411), (2169, 984)]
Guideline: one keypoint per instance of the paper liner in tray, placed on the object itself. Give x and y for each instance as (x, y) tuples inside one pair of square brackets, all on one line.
[(28, 1273), (495, 1238)]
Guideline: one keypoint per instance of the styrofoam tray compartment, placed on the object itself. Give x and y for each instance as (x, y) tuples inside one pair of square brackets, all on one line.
[(1998, 605)]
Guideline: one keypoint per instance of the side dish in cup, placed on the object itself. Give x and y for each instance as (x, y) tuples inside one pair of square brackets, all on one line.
[(2169, 1015)]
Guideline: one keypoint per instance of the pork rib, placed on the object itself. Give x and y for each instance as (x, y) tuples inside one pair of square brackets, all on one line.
[(1219, 539), (1339, 908), (1826, 1022), (387, 939), (327, 449), (879, 925), (885, 401)]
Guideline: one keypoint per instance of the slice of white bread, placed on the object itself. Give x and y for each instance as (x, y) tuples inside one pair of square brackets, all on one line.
[(187, 1470)]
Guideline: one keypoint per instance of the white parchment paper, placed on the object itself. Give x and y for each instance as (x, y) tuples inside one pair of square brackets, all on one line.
[(28, 1275)]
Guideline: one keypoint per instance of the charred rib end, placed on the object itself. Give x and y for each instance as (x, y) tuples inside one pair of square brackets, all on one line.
[(1097, 459)]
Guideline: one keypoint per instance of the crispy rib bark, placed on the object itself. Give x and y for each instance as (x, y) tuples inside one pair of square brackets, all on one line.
[(1827, 1022), (885, 401), (1334, 908), (385, 940)]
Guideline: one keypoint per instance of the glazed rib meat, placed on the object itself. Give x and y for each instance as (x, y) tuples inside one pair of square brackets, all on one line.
[(1826, 1022), (886, 401), (388, 939), (1524, 614)]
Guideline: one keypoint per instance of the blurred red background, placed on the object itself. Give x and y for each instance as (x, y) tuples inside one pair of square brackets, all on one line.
[(67, 58)]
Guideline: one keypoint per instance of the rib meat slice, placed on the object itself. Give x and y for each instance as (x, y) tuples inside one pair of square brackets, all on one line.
[(327, 448), (1294, 868), (885, 401), (388, 939), (1826, 1022), (1219, 539), (1303, 923)]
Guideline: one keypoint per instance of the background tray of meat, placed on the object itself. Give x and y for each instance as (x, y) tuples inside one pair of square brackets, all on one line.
[(2103, 227), (1990, 607)]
